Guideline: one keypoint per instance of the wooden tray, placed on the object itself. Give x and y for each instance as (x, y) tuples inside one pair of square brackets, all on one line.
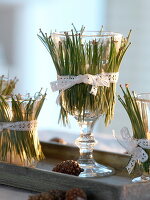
[(116, 187)]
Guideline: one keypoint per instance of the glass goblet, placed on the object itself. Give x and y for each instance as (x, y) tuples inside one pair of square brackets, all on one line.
[(84, 106), (76, 56)]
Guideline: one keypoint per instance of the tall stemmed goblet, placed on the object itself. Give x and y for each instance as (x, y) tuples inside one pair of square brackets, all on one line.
[(86, 142), (87, 65)]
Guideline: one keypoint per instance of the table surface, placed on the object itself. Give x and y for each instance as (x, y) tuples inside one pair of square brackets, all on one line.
[(106, 143), (11, 193)]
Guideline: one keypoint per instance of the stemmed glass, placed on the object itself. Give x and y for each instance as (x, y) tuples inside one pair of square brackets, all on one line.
[(86, 141), (87, 53)]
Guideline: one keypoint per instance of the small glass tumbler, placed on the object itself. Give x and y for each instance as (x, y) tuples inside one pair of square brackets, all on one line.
[(143, 102)]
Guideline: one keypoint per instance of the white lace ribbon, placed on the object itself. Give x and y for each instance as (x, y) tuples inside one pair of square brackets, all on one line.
[(19, 126), (103, 79), (135, 147)]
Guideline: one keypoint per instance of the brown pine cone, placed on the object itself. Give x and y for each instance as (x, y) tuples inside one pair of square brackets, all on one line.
[(58, 140), (68, 167), (57, 194), (42, 196), (76, 194), (51, 195)]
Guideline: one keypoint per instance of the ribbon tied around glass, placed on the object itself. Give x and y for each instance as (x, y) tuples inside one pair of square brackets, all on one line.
[(134, 147)]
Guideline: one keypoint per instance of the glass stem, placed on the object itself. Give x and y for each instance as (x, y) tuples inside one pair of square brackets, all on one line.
[(86, 142)]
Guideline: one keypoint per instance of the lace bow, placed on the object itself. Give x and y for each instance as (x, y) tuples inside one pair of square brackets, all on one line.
[(135, 147), (103, 79), (19, 126)]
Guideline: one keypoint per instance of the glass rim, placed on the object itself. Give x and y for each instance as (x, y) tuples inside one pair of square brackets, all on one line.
[(140, 97), (103, 33), (7, 78), (24, 98), (4, 78)]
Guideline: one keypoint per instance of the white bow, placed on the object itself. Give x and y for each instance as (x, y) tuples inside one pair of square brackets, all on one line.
[(134, 147), (19, 126), (103, 79)]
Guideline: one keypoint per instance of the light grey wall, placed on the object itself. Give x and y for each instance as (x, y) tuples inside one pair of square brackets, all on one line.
[(7, 17)]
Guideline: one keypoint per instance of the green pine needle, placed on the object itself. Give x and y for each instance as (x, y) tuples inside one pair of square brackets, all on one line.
[(24, 144), (71, 56), (7, 86), (138, 122)]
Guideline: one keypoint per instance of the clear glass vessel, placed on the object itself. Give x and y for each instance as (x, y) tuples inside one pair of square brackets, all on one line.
[(101, 37), (87, 108), (83, 52), (19, 144), (143, 101)]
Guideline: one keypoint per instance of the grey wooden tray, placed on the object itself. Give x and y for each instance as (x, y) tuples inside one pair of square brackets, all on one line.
[(41, 178)]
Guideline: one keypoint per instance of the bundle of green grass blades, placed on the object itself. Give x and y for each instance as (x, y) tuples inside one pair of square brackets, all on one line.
[(139, 125), (72, 56), (7, 85), (15, 143)]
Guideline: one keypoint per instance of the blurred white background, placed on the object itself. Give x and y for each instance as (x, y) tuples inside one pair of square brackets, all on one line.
[(24, 56)]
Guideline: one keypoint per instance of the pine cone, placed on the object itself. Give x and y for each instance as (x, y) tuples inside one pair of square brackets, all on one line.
[(76, 194), (51, 195), (42, 196), (58, 140), (57, 194), (68, 167)]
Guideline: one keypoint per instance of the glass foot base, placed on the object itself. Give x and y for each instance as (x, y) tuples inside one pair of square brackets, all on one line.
[(141, 179), (96, 170)]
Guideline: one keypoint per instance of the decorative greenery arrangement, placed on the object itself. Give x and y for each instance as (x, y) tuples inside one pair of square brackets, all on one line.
[(139, 125), (72, 56), (22, 144), (7, 86)]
